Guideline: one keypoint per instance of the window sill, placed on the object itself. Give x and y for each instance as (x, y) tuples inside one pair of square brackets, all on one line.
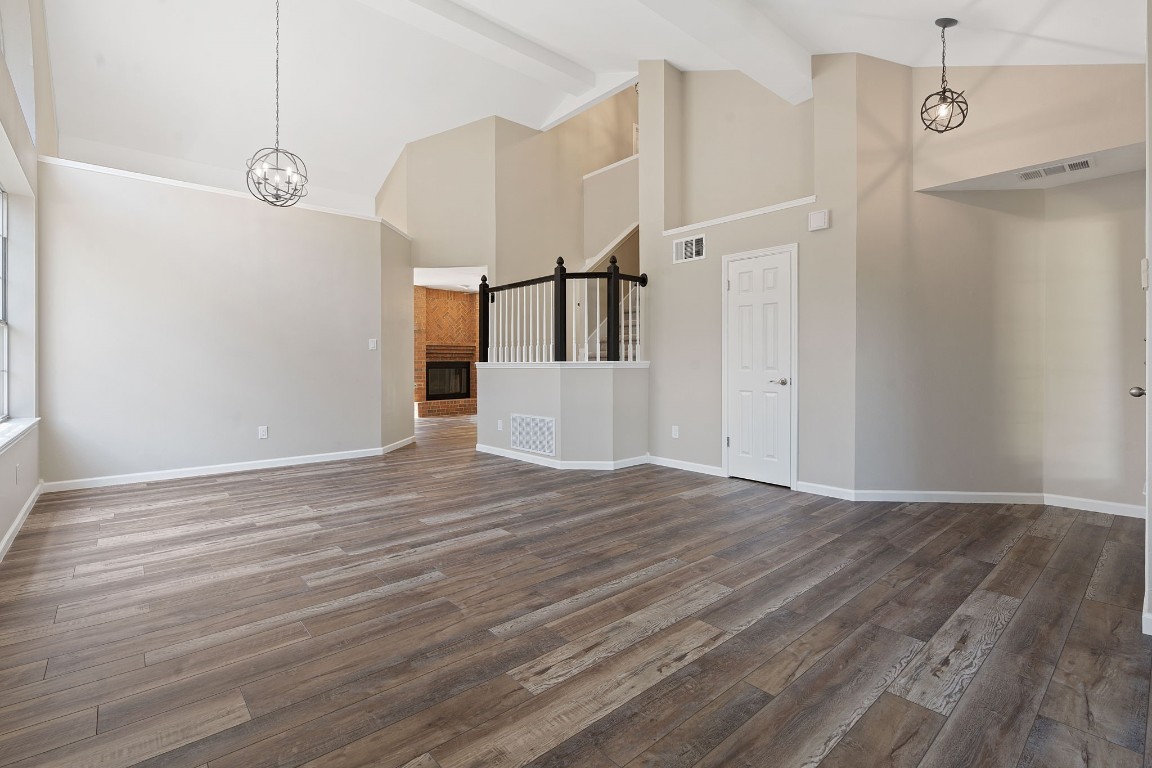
[(13, 429)]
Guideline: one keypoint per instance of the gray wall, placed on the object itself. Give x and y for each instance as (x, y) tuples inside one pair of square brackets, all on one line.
[(174, 321)]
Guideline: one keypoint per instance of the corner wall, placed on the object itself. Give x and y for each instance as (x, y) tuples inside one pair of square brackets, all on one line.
[(174, 321)]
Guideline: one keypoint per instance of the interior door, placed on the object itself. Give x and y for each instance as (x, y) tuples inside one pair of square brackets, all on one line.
[(760, 386)]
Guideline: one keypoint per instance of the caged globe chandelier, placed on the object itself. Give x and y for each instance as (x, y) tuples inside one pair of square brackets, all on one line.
[(275, 175), (945, 109)]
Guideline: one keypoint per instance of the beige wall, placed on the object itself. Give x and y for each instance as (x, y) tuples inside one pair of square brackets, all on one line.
[(540, 185), (397, 419), (1023, 116), (47, 133), (1094, 444), (174, 321), (684, 316), (948, 317), (500, 195), (452, 197), (611, 206), (923, 318), (600, 412), (392, 199), (744, 146)]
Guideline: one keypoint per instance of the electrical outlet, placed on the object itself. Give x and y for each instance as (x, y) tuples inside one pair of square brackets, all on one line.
[(675, 432), (371, 343), (499, 425), (262, 433)]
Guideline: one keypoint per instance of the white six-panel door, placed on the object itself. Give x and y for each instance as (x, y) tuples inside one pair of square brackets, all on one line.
[(760, 387)]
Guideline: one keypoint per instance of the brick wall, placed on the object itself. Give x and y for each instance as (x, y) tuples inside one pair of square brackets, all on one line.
[(446, 321)]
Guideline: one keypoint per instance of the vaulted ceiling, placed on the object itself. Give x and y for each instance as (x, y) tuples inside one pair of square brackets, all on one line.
[(183, 88)]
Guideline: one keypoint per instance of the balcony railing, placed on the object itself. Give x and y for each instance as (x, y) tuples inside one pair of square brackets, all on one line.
[(582, 316)]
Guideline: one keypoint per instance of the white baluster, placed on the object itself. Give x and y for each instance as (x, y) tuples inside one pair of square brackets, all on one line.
[(572, 302)]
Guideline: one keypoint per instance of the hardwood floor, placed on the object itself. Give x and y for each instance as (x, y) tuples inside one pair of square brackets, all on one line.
[(439, 608)]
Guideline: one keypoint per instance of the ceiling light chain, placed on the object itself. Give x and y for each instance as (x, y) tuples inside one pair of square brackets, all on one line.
[(945, 109), (277, 176)]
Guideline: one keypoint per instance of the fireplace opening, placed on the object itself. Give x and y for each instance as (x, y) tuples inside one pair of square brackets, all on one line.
[(449, 381)]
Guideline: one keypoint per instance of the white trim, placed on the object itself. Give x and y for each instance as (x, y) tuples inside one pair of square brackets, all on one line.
[(744, 215), (205, 188), (975, 497), (10, 534), (20, 429), (551, 463), (1092, 505), (688, 466), (578, 364), (607, 168), (219, 469), (1146, 617), (591, 262), (793, 249)]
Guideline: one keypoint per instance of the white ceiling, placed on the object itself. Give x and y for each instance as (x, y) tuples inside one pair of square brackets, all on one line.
[(183, 88)]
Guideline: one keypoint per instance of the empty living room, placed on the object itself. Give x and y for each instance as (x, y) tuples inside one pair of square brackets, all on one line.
[(599, 384)]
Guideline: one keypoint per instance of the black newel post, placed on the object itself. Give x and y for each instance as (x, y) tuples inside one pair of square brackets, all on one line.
[(560, 311), (484, 300), (613, 310)]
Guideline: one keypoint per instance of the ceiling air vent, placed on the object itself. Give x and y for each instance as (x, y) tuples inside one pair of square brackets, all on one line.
[(688, 249), (1082, 164)]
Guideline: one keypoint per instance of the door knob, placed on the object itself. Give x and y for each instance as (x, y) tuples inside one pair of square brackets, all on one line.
[(1136, 391), (781, 382)]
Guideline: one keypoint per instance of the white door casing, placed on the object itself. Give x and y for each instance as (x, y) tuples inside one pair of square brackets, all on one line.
[(759, 368)]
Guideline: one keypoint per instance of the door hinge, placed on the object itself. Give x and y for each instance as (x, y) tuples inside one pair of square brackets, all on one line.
[(729, 285), (728, 442)]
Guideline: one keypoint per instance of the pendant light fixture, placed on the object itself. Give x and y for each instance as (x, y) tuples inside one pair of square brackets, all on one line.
[(277, 176), (945, 109)]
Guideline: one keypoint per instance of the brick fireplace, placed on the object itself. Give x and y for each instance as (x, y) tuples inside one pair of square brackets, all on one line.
[(446, 333)]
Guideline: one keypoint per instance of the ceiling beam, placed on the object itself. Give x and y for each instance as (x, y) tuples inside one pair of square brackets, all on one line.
[(464, 27), (742, 35)]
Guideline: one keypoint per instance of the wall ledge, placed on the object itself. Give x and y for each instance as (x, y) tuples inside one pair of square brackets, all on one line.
[(566, 365), (743, 215), (219, 469)]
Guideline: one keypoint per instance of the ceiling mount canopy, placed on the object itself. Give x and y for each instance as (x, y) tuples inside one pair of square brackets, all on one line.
[(275, 175), (946, 109)]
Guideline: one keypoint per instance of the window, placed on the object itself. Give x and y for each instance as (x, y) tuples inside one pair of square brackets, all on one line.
[(4, 411)]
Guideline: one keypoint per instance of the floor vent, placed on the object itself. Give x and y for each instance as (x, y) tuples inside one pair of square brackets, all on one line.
[(535, 434), (1082, 164), (688, 249)]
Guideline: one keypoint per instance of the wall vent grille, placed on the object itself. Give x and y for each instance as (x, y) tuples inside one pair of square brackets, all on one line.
[(1082, 164), (688, 249), (535, 434)]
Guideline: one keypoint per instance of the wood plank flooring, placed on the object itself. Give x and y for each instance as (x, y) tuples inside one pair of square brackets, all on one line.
[(439, 608)]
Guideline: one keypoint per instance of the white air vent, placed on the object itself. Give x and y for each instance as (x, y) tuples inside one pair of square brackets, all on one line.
[(688, 249), (535, 434), (1082, 164)]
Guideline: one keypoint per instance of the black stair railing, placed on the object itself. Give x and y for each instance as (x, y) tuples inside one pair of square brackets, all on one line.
[(527, 321)]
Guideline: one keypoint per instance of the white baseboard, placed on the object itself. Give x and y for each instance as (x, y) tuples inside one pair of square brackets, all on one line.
[(1092, 505), (551, 463), (218, 469), (688, 466), (10, 534), (969, 497)]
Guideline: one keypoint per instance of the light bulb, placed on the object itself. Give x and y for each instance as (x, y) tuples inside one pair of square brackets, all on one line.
[(944, 111)]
